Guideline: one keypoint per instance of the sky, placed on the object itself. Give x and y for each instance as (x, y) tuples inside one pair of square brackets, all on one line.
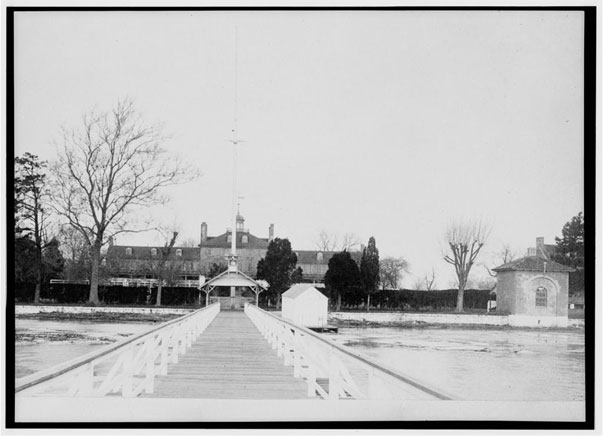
[(389, 124)]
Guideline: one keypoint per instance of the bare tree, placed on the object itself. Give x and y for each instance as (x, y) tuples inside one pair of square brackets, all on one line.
[(430, 281), (348, 242), (326, 242), (190, 242), (108, 167), (76, 253), (465, 240), (506, 254), (161, 265), (418, 284), (391, 271), (332, 242)]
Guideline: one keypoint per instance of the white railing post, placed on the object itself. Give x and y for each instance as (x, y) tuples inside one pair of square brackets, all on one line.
[(333, 377), (164, 353), (128, 373), (296, 355), (150, 368)]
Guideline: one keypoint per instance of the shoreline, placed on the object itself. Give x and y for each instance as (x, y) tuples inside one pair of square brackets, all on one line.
[(408, 325), (100, 317)]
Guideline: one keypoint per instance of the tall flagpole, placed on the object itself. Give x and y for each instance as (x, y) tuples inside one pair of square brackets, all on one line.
[(232, 264)]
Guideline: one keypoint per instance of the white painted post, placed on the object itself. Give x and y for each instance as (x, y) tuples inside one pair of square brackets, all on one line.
[(150, 366), (333, 377), (296, 355), (86, 380), (372, 384), (311, 382), (164, 354), (128, 373), (174, 341)]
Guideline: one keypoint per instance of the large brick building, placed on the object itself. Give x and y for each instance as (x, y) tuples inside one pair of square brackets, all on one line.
[(132, 263)]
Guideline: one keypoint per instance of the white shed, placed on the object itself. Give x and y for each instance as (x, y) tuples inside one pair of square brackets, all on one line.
[(305, 305)]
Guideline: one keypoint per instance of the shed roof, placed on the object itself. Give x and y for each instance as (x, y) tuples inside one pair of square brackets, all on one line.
[(298, 289), (533, 263)]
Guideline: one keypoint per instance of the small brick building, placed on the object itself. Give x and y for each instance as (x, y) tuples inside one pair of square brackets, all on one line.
[(533, 291)]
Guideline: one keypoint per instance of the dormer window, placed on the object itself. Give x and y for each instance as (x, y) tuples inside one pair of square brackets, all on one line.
[(229, 238), (319, 256), (245, 239), (153, 252), (128, 251), (179, 252)]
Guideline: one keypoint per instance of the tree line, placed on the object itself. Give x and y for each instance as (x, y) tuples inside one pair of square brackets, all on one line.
[(68, 210)]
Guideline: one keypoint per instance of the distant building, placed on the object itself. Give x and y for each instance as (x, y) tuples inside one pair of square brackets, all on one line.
[(250, 248), (546, 251), (131, 264), (533, 291)]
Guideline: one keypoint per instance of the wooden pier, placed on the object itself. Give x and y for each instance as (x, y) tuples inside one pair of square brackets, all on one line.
[(230, 360)]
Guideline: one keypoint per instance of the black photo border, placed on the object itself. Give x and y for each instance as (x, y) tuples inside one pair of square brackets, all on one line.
[(590, 143)]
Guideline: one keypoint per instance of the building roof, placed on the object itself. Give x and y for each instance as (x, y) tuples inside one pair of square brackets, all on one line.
[(298, 289), (533, 263), (305, 257), (221, 241), (144, 253), (233, 278)]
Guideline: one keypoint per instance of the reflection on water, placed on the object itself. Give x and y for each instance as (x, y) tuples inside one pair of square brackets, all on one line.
[(472, 364)]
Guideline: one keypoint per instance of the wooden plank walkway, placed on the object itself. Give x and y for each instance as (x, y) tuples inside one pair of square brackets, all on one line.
[(230, 360)]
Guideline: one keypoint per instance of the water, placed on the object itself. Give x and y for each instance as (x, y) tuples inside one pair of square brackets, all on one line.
[(42, 344), (473, 364), (470, 364)]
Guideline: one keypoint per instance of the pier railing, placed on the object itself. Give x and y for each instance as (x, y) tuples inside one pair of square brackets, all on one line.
[(127, 368), (333, 371)]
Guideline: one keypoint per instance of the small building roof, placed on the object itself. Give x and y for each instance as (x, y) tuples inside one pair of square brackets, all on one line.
[(533, 263), (232, 278), (298, 289)]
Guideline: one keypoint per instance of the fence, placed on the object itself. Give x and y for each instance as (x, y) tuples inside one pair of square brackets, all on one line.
[(333, 371), (127, 368)]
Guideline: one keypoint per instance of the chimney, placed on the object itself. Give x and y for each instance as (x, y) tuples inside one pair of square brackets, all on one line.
[(271, 232), (203, 232), (540, 250), (111, 241)]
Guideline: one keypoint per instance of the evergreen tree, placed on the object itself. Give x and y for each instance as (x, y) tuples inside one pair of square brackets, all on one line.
[(570, 251), (278, 268), (369, 270), (342, 277), (31, 213), (54, 263)]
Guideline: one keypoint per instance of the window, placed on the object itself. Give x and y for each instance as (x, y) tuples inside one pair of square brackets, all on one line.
[(153, 252), (104, 262), (179, 252), (128, 251), (319, 257), (541, 297), (245, 239), (229, 239)]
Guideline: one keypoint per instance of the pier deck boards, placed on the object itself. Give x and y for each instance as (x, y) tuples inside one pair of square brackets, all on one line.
[(231, 360)]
